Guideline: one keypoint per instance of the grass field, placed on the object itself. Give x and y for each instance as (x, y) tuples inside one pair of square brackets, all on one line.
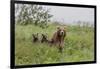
[(79, 45)]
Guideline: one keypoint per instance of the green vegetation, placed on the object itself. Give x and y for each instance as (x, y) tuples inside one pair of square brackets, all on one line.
[(78, 46)]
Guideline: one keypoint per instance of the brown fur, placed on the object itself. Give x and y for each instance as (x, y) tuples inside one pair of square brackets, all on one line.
[(44, 38), (58, 38), (35, 37)]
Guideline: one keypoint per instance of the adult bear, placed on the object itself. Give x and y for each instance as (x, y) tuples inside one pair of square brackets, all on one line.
[(58, 38)]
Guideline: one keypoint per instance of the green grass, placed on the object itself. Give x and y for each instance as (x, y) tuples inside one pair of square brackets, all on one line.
[(78, 46)]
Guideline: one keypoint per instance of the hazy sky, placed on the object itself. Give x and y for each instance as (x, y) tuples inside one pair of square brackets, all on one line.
[(71, 14)]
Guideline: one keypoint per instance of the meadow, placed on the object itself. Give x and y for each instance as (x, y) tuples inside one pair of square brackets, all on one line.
[(78, 46)]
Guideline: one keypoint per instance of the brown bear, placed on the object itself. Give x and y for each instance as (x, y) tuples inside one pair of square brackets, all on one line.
[(44, 38), (35, 37), (58, 38)]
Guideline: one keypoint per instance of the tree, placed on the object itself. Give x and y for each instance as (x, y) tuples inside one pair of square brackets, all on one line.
[(32, 14)]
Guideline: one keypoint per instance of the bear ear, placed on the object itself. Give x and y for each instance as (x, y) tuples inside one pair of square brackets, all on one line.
[(65, 28), (32, 34), (58, 27)]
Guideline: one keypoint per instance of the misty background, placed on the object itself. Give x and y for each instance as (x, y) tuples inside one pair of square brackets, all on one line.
[(71, 15)]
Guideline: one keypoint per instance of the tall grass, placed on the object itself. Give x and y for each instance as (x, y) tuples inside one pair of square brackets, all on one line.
[(78, 46)]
